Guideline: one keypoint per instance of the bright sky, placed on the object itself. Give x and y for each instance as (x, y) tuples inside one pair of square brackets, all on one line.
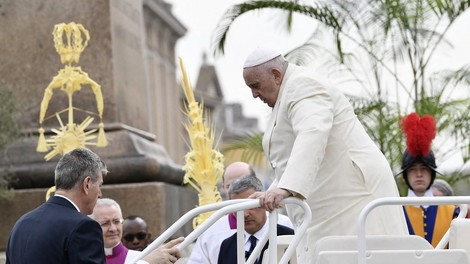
[(265, 28)]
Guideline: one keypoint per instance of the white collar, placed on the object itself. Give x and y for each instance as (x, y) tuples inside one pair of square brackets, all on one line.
[(76, 207), (428, 193), (109, 251), (258, 234)]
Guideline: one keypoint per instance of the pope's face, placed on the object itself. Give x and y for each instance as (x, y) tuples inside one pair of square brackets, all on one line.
[(264, 84)]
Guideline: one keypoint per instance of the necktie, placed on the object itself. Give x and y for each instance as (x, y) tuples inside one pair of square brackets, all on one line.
[(253, 241)]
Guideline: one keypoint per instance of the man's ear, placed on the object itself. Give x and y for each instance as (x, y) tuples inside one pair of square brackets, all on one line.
[(86, 184), (277, 75)]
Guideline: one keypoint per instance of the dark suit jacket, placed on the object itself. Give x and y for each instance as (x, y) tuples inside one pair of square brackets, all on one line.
[(228, 248), (55, 232)]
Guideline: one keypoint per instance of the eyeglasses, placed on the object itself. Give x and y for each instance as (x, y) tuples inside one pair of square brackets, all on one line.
[(116, 221), (139, 236)]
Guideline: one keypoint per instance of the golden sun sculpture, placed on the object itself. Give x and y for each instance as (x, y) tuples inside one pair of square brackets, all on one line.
[(70, 40)]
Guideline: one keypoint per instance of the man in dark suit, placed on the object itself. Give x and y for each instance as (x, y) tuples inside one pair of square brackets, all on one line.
[(59, 231), (256, 224)]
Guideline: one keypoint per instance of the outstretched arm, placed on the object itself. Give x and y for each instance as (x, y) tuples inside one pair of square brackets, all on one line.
[(165, 254)]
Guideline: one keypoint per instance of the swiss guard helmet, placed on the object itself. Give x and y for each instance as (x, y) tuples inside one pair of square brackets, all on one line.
[(419, 132)]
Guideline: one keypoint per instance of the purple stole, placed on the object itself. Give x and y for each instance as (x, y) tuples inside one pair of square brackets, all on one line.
[(232, 221), (118, 256)]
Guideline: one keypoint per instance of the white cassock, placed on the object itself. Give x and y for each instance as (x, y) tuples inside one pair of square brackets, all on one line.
[(318, 149)]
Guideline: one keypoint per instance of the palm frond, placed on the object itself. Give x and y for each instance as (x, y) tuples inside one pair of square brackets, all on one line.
[(204, 163), (318, 11), (250, 146)]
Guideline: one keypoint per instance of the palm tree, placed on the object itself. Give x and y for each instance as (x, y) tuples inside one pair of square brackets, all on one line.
[(371, 42)]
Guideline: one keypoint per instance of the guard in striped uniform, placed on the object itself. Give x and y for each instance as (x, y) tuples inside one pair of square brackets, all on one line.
[(419, 172)]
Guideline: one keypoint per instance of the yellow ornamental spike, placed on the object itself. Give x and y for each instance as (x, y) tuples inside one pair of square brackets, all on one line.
[(70, 40), (50, 192), (204, 164)]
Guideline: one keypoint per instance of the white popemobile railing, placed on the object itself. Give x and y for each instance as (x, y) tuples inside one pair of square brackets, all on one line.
[(238, 206), (462, 201)]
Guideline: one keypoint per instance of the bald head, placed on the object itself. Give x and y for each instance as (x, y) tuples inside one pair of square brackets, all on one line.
[(135, 233), (235, 171)]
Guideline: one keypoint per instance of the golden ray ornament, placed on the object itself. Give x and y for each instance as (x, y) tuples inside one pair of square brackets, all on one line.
[(69, 41), (204, 164)]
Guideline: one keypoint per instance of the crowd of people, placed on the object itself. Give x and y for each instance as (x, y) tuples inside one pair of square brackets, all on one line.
[(317, 151)]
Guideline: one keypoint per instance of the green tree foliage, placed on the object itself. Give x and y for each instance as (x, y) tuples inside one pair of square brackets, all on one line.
[(251, 146)]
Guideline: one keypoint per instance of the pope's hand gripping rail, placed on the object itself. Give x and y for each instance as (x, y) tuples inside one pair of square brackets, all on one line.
[(238, 206), (462, 201)]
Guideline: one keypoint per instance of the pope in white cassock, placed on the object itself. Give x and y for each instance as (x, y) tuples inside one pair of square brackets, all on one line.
[(319, 151)]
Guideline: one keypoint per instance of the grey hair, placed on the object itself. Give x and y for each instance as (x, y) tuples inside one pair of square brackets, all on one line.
[(102, 202), (443, 187), (244, 183), (74, 166), (277, 62)]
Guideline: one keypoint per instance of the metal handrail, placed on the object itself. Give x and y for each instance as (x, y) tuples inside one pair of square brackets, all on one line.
[(238, 206), (272, 235), (462, 201)]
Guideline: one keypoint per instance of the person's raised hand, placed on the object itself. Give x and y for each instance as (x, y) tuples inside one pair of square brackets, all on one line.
[(166, 253)]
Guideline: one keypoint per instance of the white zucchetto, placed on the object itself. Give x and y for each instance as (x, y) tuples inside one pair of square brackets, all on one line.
[(259, 56)]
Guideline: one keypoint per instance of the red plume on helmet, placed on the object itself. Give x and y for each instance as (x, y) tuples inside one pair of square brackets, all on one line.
[(419, 132)]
